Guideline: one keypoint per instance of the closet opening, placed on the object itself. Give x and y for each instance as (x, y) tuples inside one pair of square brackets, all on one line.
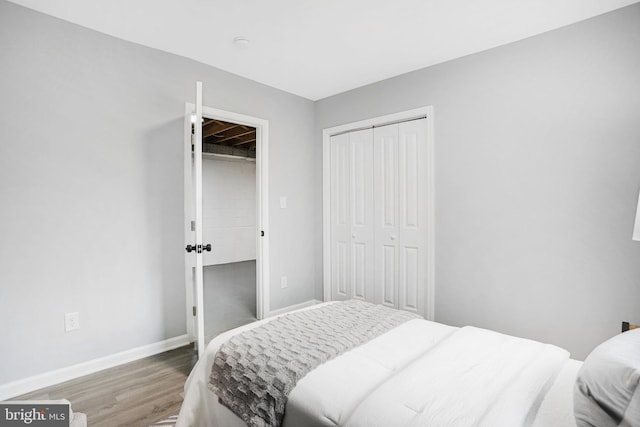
[(229, 222)]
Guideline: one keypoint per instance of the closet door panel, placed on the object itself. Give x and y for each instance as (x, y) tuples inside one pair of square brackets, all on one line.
[(386, 214), (409, 283), (412, 230), (340, 217), (359, 271), (361, 191), (388, 278), (341, 271)]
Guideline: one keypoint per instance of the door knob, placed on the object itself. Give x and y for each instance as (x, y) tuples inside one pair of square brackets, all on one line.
[(198, 248)]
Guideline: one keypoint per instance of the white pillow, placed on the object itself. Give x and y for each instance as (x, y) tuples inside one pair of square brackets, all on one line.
[(607, 389)]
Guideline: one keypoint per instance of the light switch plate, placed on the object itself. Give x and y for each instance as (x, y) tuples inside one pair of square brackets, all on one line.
[(71, 321)]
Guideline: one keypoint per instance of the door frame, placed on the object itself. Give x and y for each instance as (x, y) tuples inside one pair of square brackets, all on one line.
[(262, 207), (327, 133)]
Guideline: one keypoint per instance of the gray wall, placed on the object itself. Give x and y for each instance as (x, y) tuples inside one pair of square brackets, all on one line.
[(537, 178), (537, 145), (91, 190)]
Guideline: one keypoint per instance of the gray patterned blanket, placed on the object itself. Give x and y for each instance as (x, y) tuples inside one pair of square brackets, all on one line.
[(254, 371)]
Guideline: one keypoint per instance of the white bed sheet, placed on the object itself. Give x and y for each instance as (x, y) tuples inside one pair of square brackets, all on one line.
[(329, 395), (557, 407)]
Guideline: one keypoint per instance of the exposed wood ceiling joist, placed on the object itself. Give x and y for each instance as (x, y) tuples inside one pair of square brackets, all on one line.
[(213, 127), (224, 134), (241, 134)]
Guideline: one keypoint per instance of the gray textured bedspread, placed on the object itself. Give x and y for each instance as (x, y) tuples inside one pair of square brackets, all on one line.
[(254, 372)]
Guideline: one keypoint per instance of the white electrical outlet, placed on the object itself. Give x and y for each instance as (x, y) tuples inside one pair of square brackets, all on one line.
[(283, 282), (71, 321)]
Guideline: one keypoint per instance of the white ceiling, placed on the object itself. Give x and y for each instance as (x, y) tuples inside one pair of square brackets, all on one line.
[(322, 47)]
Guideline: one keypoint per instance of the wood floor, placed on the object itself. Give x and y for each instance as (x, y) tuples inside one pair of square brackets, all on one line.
[(136, 394)]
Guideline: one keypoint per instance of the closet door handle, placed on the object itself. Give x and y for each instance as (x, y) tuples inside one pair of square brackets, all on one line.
[(190, 248), (207, 247)]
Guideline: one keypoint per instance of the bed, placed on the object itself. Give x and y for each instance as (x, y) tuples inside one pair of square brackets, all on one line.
[(408, 376)]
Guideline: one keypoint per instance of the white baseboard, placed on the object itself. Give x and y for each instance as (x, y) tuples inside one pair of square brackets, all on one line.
[(293, 307), (36, 382)]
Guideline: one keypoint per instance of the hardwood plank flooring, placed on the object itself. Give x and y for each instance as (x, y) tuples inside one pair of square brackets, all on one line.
[(135, 394)]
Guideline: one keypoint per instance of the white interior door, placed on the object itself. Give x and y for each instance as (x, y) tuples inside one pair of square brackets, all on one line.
[(412, 216), (379, 215), (386, 213), (352, 215), (400, 178), (196, 237), (401, 231), (195, 246), (361, 200), (340, 217)]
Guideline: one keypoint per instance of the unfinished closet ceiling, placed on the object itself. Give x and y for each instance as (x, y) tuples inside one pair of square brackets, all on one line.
[(226, 138)]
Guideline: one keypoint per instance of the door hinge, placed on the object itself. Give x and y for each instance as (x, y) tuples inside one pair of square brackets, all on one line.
[(193, 226), (194, 310)]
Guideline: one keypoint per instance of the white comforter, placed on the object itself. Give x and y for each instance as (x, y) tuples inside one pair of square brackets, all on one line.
[(419, 374)]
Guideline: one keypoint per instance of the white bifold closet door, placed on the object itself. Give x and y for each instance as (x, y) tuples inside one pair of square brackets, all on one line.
[(352, 227), (379, 215)]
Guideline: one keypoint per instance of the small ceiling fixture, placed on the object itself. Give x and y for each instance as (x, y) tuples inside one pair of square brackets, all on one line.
[(241, 42)]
